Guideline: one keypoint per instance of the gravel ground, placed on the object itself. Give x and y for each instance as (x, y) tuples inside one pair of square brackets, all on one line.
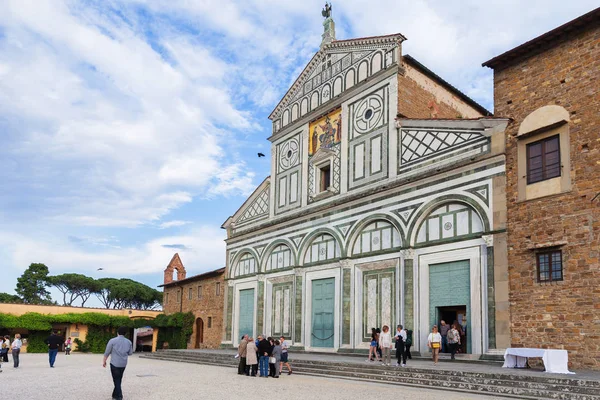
[(81, 377)]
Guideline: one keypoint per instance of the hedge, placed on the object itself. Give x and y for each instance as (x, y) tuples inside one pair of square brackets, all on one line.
[(174, 328)]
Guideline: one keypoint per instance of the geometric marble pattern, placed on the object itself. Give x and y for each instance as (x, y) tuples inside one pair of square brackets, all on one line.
[(481, 192), (418, 144), (258, 208)]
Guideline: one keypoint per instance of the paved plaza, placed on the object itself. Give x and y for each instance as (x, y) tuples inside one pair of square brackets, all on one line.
[(81, 376)]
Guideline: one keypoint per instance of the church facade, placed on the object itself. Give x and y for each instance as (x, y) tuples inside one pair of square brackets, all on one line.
[(385, 206)]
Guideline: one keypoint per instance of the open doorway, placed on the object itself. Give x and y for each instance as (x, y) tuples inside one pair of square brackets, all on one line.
[(458, 314)]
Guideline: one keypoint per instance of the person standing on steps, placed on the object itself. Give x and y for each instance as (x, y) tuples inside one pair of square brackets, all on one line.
[(276, 354), (408, 343), (434, 342), (53, 341), (242, 353), (373, 346), (251, 358), (444, 328), (284, 356), (118, 349), (264, 351), (385, 342), (16, 349), (400, 346), (453, 339)]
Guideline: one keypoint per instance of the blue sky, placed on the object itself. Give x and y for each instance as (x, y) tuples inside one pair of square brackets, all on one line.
[(129, 129)]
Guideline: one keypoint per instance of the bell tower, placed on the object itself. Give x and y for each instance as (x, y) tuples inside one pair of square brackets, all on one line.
[(174, 266)]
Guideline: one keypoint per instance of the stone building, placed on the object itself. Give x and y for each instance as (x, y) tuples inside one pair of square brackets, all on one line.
[(385, 205), (202, 295), (549, 87)]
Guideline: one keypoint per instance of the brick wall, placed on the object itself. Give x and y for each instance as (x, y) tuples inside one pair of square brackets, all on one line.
[(209, 305), (564, 314), (419, 96)]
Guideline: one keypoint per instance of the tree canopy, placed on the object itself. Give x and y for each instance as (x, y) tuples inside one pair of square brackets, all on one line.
[(31, 286), (10, 298), (73, 287), (127, 293)]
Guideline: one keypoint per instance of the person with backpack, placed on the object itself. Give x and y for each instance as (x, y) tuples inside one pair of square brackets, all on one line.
[(453, 339), (408, 343)]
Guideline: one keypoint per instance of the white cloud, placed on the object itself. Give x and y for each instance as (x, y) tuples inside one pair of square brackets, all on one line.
[(172, 224), (202, 249)]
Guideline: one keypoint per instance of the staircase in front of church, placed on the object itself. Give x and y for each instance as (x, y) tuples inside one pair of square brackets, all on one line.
[(485, 383)]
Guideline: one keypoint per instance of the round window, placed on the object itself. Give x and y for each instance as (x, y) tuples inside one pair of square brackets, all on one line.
[(368, 114)]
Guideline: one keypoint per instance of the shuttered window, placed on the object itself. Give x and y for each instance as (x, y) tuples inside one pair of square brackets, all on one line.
[(543, 159)]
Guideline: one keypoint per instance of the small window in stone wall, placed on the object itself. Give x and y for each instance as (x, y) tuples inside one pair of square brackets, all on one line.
[(549, 266), (179, 296), (199, 292), (190, 294), (166, 298), (218, 289), (543, 159), (210, 322)]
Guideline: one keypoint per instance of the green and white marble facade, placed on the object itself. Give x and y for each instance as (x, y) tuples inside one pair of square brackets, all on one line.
[(409, 194)]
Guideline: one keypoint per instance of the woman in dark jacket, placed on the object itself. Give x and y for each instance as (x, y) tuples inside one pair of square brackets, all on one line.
[(272, 371)]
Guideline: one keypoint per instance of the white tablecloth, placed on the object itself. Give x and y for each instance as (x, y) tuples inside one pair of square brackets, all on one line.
[(555, 361)]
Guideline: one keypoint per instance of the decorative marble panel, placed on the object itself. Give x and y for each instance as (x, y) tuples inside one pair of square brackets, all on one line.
[(449, 221), (324, 247), (377, 236)]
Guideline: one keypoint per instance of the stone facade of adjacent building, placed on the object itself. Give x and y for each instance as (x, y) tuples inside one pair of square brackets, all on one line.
[(550, 88), (203, 295)]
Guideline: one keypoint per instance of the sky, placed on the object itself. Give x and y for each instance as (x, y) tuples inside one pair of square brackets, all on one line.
[(129, 130)]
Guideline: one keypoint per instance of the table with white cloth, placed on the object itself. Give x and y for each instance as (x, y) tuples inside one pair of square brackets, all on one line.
[(555, 361)]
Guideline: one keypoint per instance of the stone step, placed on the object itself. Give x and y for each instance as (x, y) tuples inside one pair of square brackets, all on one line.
[(512, 388), (408, 372), (332, 365)]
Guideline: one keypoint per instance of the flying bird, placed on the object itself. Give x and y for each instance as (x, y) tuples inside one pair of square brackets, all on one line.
[(260, 155), (100, 269)]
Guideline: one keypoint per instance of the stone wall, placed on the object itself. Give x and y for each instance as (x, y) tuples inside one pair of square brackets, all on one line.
[(563, 314), (209, 305)]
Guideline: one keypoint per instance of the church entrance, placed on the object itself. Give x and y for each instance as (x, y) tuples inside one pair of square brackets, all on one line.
[(199, 332), (323, 310), (449, 295)]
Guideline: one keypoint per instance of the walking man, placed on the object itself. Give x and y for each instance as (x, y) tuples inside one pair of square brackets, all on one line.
[(119, 349), (53, 341), (444, 328)]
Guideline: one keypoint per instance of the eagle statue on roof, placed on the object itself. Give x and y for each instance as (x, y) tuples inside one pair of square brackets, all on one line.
[(326, 12)]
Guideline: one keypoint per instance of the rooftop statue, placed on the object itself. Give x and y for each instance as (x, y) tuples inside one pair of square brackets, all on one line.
[(326, 11)]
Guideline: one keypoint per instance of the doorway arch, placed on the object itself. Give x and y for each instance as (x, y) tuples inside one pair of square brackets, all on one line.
[(199, 332)]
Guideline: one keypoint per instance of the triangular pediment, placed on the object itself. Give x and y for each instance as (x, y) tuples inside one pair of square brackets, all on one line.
[(325, 76), (255, 208)]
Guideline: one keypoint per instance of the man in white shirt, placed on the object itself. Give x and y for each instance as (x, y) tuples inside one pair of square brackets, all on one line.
[(118, 349)]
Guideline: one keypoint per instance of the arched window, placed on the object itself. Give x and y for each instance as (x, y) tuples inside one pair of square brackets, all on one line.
[(449, 221), (280, 257), (377, 236), (324, 247), (246, 265)]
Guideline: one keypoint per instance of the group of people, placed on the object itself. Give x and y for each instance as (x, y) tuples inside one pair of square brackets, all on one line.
[(14, 347), (118, 349), (382, 344), (448, 338), (266, 357)]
